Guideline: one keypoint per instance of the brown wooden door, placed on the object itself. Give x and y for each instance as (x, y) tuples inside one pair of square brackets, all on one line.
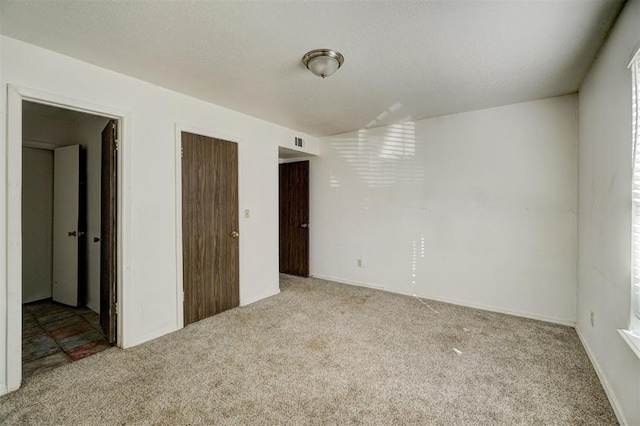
[(294, 218), (210, 241), (108, 232)]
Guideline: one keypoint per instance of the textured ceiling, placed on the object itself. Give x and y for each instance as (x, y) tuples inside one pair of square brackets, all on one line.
[(403, 60)]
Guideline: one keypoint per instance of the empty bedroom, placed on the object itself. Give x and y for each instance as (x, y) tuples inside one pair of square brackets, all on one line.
[(320, 212)]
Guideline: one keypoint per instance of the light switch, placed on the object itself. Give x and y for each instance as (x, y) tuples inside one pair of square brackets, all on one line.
[(246, 213)]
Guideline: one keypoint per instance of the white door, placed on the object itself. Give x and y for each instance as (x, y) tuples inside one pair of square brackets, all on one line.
[(66, 200)]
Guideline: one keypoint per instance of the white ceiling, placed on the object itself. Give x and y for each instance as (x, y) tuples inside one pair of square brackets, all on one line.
[(404, 60)]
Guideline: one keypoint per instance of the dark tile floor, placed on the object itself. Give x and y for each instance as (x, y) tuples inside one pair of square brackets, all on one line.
[(55, 334)]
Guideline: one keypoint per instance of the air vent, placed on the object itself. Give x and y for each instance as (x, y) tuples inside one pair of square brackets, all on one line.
[(299, 142)]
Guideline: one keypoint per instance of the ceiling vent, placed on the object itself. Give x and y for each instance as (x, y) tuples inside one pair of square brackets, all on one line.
[(299, 142)]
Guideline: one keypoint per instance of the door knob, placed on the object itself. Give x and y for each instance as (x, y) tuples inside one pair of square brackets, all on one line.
[(235, 234), (72, 233), (304, 225)]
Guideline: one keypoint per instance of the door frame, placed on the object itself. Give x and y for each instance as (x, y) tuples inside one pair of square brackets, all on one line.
[(13, 229), (179, 128)]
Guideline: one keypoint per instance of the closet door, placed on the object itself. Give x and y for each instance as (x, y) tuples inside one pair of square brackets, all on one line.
[(210, 238), (66, 232)]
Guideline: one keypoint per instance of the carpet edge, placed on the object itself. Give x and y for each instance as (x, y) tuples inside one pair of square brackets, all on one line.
[(553, 320)]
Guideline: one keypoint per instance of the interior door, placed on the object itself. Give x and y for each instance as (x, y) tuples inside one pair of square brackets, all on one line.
[(66, 232), (108, 231), (294, 218), (210, 238)]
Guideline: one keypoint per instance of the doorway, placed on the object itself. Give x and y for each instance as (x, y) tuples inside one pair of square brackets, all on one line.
[(69, 177), (210, 237), (294, 218)]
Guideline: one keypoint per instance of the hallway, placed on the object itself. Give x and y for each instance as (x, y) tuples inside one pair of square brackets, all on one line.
[(55, 334)]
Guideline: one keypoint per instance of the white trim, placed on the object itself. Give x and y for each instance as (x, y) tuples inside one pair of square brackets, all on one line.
[(260, 297), (15, 96), (491, 308), (296, 159), (178, 190), (14, 240), (348, 282), (179, 128), (124, 252), (634, 320), (60, 101), (634, 53), (150, 336), (632, 340), (608, 390), (458, 302)]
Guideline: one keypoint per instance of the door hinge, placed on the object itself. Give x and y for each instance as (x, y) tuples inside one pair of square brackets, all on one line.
[(183, 296), (181, 151), (117, 145), (115, 308)]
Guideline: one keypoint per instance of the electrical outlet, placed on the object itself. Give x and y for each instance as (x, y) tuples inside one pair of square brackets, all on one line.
[(592, 319), (359, 263), (247, 213)]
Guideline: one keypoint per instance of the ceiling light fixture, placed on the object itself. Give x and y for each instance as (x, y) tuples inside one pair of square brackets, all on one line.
[(323, 62)]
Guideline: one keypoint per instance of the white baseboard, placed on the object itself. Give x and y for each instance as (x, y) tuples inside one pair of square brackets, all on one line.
[(149, 336), (159, 333), (341, 281), (3, 389), (490, 308), (260, 297), (465, 303), (617, 409)]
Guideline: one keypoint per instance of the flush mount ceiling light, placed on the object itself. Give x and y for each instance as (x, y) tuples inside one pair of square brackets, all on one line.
[(323, 62)]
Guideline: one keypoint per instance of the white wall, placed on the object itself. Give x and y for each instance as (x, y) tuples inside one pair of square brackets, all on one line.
[(48, 131), (87, 131), (37, 223), (604, 226), (150, 305), (476, 208)]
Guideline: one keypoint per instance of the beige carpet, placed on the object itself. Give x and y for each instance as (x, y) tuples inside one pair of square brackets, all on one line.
[(326, 353)]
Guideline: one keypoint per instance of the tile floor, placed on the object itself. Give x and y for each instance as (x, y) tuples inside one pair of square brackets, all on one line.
[(54, 334)]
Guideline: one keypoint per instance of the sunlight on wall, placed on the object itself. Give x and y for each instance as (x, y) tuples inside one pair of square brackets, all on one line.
[(381, 157), (476, 207), (414, 261), (333, 181), (378, 163)]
